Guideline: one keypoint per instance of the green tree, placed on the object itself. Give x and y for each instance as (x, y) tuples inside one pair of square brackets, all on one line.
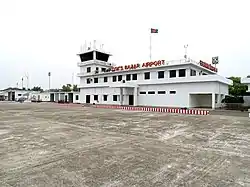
[(237, 89), (37, 88), (66, 88), (75, 89)]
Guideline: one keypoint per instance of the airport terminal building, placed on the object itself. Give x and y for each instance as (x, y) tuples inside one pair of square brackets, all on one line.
[(162, 83)]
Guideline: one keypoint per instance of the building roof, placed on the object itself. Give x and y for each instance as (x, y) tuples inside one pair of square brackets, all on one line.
[(246, 80), (10, 88)]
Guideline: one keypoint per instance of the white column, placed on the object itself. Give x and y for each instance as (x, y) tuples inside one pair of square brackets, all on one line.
[(219, 100), (188, 72), (94, 55), (213, 100), (121, 96), (135, 95), (177, 73)]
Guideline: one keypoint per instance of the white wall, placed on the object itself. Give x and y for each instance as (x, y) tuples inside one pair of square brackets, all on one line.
[(44, 96), (180, 99), (246, 100), (75, 99), (100, 92)]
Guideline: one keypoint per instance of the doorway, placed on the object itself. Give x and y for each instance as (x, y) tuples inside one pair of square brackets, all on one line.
[(87, 98), (131, 100), (12, 96), (66, 98), (52, 97), (70, 97)]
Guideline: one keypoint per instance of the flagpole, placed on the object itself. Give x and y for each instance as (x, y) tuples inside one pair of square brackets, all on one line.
[(150, 46)]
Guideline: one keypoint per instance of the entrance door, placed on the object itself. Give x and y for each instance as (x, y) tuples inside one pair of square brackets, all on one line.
[(87, 98), (13, 96), (66, 98), (131, 100)]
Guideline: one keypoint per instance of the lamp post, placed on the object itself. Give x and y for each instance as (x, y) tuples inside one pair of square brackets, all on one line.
[(27, 77), (49, 75), (22, 82)]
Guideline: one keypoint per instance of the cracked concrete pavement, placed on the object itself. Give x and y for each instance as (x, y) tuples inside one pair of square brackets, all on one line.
[(60, 145)]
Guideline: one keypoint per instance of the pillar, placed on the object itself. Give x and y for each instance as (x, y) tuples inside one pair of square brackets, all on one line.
[(219, 100), (135, 95), (213, 100), (94, 56), (188, 72), (121, 96)]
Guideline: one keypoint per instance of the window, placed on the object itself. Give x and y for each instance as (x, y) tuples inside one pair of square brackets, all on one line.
[(172, 92), (147, 75), (114, 78), (19, 94), (95, 80), (114, 97), (105, 97), (128, 77), (161, 92), (151, 92), (134, 76), (172, 73), (119, 77), (105, 79), (192, 72), (142, 92), (96, 97), (97, 68), (182, 72), (88, 69), (160, 74), (88, 80), (103, 69), (77, 97)]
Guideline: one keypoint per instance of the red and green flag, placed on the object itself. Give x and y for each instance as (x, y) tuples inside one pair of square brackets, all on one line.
[(154, 30)]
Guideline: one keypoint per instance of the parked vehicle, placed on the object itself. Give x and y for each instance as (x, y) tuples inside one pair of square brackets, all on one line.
[(21, 99)]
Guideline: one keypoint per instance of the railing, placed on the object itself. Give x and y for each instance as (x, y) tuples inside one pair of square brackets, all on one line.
[(96, 61)]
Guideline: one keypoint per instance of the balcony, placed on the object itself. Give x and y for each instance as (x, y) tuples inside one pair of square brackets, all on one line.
[(85, 74), (97, 62)]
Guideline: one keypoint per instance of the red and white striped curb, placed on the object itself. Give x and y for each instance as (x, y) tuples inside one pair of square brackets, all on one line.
[(155, 109)]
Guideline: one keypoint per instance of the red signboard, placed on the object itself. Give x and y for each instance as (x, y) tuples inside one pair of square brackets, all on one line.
[(208, 66), (136, 66)]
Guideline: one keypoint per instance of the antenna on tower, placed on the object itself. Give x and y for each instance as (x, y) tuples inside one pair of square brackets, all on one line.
[(101, 47), (94, 45), (89, 46), (185, 55)]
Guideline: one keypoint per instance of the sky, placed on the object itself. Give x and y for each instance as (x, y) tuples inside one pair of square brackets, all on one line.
[(41, 36)]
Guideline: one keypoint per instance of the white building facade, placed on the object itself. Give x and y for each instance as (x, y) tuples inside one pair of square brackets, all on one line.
[(179, 83), (14, 94), (246, 81)]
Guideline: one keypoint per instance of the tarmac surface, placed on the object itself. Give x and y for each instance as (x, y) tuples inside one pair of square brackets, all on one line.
[(60, 145)]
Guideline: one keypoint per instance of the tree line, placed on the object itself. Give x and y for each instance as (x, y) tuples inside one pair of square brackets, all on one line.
[(65, 88)]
